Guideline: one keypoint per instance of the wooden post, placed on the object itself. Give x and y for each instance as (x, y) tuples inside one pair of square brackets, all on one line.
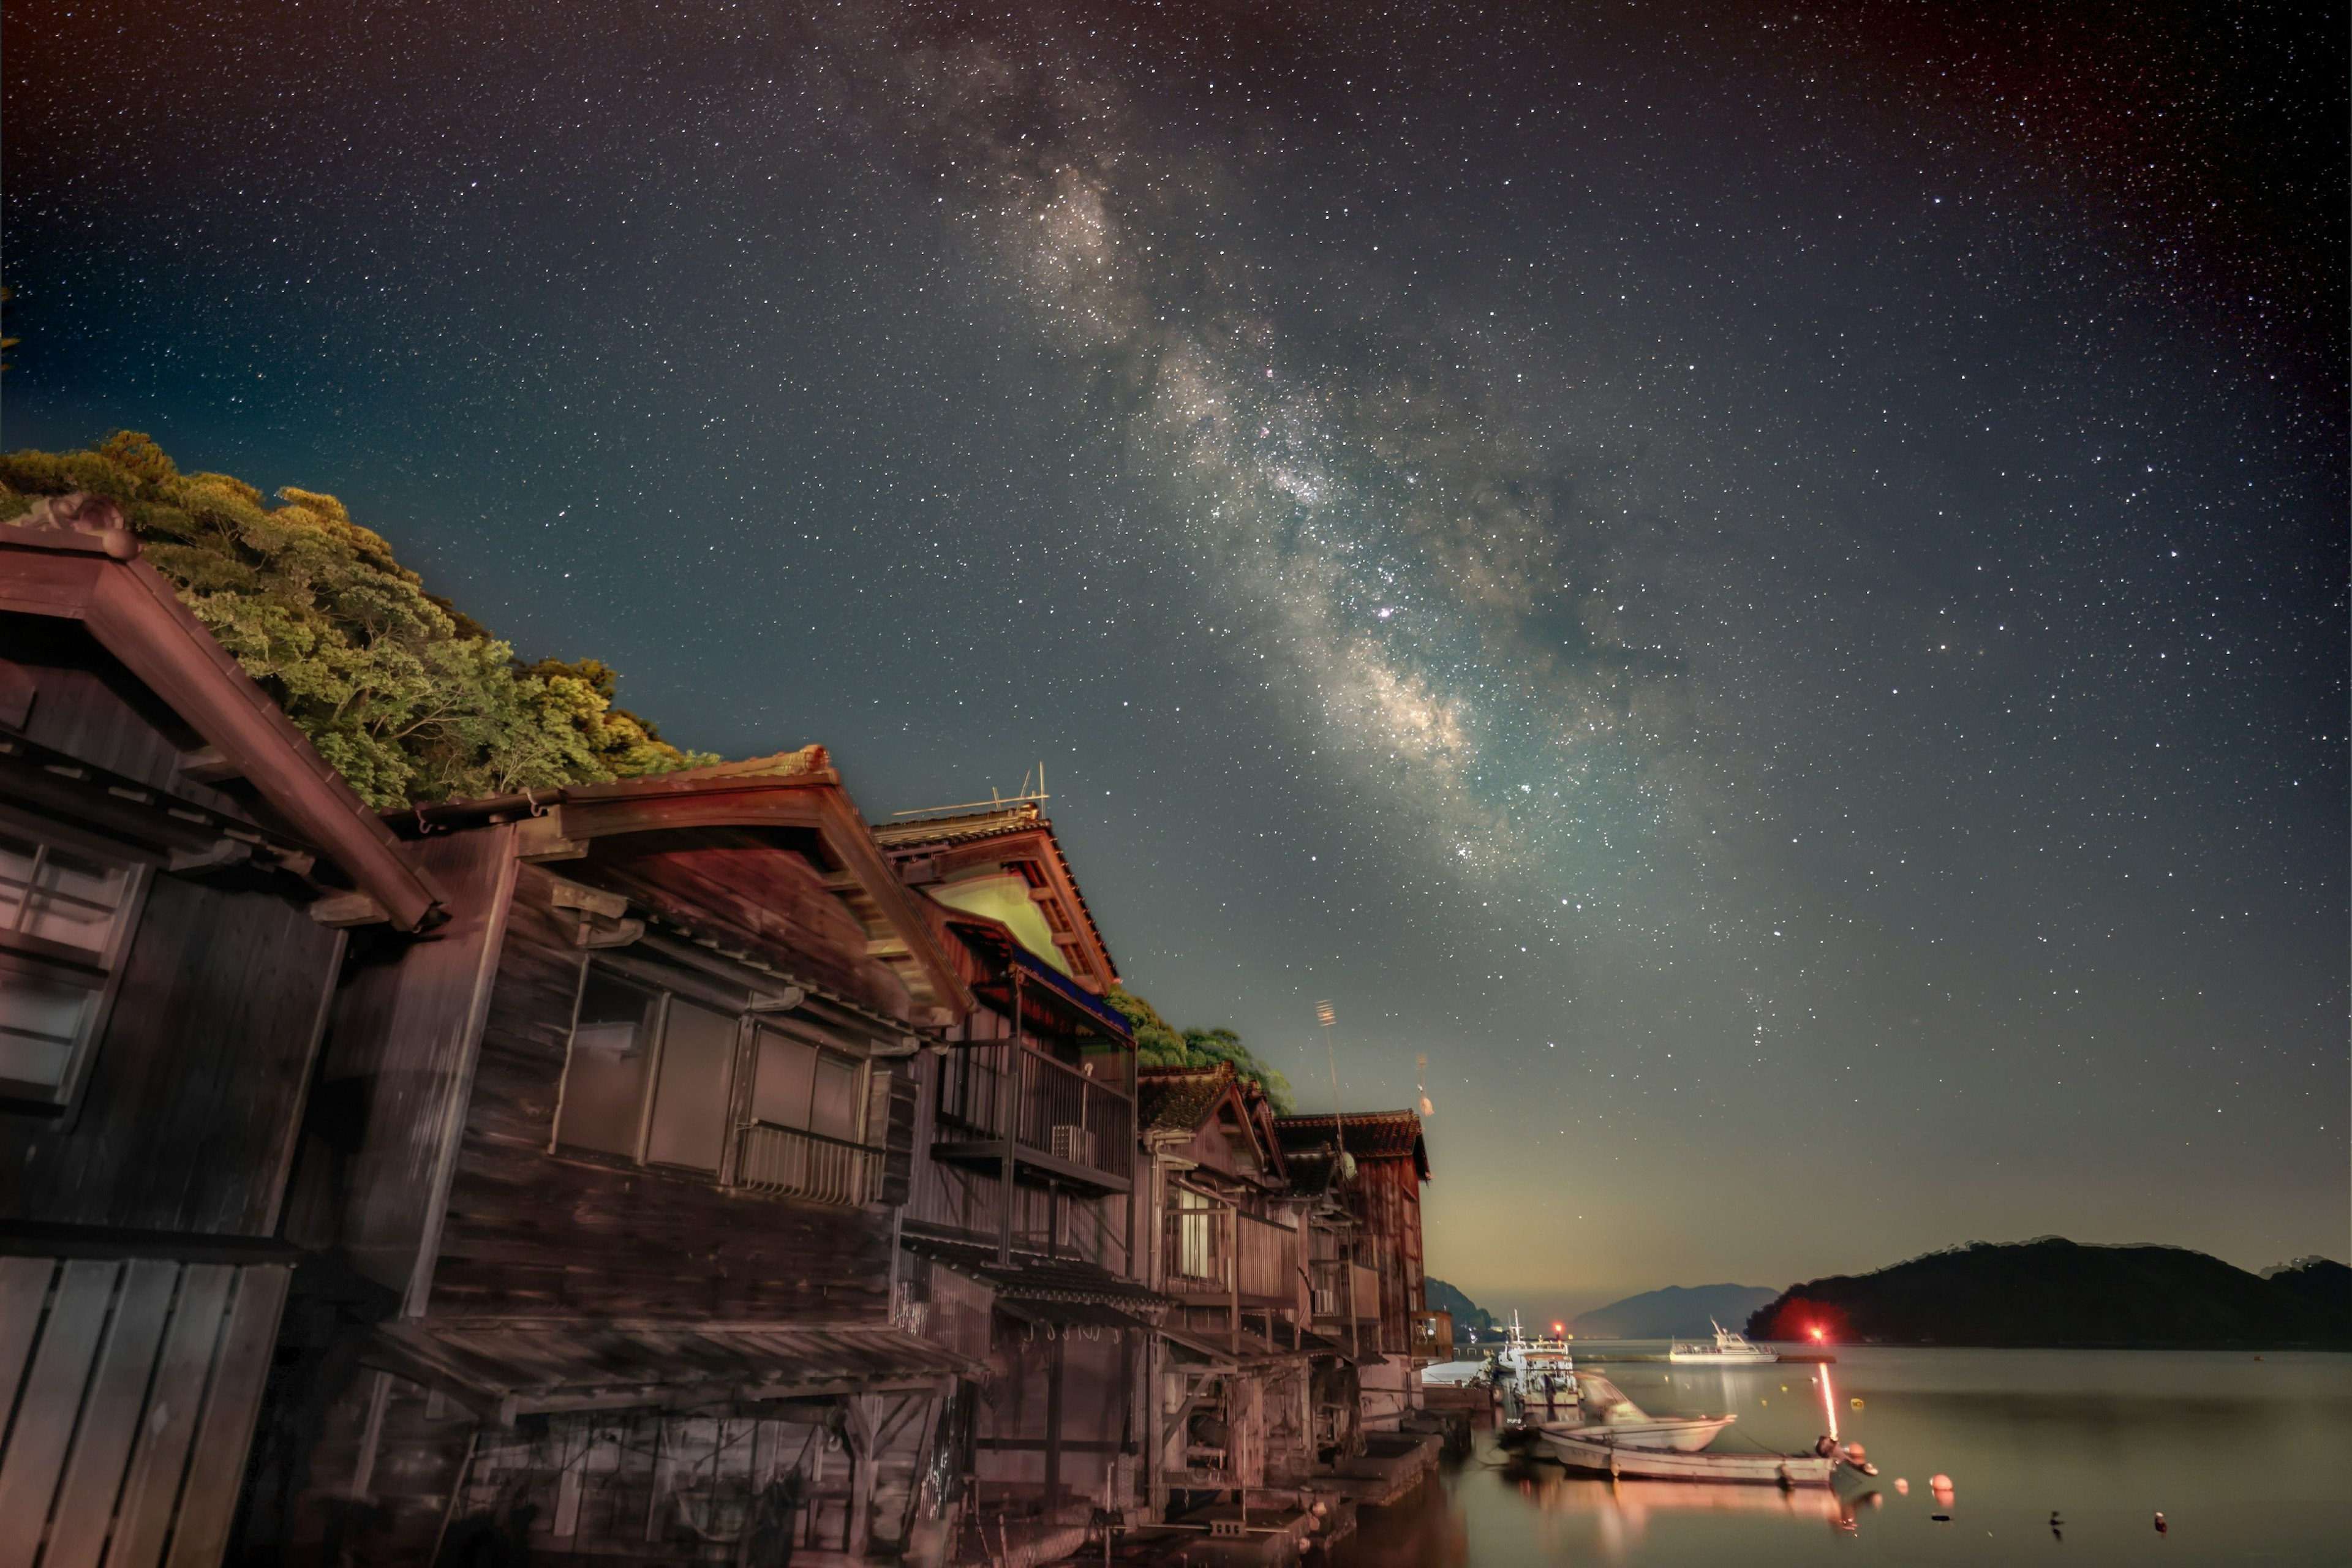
[(1020, 1080), (1234, 1267), (1054, 1421), (1355, 1324)]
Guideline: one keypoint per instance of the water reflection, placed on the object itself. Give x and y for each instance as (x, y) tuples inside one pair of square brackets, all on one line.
[(2070, 1454)]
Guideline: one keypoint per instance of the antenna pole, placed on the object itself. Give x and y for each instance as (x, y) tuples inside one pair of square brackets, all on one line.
[(1329, 1019)]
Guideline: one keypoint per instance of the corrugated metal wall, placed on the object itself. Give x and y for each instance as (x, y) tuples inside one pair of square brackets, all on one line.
[(128, 1391)]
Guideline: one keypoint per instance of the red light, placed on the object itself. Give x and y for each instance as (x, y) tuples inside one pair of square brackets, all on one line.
[(1559, 1328), (1817, 1334)]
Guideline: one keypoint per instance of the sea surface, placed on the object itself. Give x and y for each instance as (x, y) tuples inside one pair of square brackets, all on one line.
[(2249, 1459)]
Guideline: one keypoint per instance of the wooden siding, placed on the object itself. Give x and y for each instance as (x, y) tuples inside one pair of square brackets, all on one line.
[(381, 1143), (187, 1116), (135, 1385), (529, 1233)]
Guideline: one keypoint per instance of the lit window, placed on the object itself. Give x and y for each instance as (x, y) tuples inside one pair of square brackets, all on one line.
[(66, 915)]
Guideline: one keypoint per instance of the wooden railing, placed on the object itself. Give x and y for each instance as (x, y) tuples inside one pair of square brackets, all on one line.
[(1061, 1111), (1200, 1247), (799, 1165)]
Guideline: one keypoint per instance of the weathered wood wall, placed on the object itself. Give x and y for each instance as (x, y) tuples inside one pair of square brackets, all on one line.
[(186, 1118), (1386, 1196)]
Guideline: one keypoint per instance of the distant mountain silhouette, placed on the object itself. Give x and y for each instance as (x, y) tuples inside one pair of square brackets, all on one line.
[(1674, 1313), (2052, 1291), (1467, 1314)]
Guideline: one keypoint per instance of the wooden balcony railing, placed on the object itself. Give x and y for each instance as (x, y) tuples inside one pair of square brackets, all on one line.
[(1200, 1248), (990, 1091), (799, 1165)]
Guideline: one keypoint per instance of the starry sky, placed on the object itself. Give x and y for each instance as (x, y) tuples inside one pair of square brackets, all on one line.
[(1763, 586)]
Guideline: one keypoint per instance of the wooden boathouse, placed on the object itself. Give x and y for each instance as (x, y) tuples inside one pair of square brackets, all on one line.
[(612, 1163)]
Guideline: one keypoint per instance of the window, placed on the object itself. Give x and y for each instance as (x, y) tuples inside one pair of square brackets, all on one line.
[(806, 1088), (650, 1076), (653, 1078), (612, 1062), (66, 915)]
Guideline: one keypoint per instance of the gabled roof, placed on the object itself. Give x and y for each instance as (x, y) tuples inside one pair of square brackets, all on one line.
[(1007, 835), (73, 558), (1182, 1100), (798, 790), (1179, 1099), (1367, 1134)]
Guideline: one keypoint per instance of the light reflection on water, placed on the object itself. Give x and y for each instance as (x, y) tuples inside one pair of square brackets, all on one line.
[(2251, 1462)]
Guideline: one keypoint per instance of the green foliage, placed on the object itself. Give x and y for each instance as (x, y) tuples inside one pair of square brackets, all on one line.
[(408, 698), (1156, 1045), (1159, 1045)]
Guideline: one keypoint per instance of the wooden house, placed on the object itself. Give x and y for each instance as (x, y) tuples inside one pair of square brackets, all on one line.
[(1251, 1396), (1367, 1168), (620, 1151), (180, 873), (1021, 1227)]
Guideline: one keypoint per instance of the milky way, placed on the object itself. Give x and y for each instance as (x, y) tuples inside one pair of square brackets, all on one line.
[(1765, 592)]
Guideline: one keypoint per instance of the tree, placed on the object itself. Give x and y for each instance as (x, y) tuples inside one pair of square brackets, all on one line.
[(1157, 1043), (409, 699)]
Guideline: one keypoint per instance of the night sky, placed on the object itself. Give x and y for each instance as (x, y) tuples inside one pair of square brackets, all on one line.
[(1763, 585)]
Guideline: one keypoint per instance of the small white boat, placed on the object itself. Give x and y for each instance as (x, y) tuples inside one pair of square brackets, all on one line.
[(1602, 1454), (1728, 1350), (1683, 1433), (1453, 1374)]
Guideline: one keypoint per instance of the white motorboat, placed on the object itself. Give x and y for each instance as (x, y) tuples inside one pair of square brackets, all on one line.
[(1603, 1411), (1730, 1348), (1453, 1374), (1683, 1433), (1597, 1452)]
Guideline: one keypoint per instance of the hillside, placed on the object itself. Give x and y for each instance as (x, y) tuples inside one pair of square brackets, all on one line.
[(1674, 1313), (2052, 1291)]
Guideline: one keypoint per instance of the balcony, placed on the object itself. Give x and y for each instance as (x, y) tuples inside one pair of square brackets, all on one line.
[(1210, 1255), (793, 1164), (1061, 1123)]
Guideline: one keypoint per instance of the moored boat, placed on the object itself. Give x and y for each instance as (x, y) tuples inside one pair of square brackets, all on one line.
[(1730, 1348), (1600, 1452)]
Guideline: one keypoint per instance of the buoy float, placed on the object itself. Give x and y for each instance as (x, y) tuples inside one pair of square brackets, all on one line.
[(1855, 1403), (1903, 1485)]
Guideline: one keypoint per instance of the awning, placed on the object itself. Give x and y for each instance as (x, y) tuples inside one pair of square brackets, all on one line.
[(1031, 1278), (512, 1369), (1219, 1350)]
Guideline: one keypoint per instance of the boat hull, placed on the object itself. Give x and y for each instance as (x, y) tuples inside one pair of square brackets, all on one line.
[(1723, 1357), (1603, 1457)]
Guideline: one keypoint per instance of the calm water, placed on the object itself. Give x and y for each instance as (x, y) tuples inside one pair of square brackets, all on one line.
[(2251, 1462)]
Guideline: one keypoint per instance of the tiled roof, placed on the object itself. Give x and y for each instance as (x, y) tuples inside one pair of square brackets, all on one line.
[(1041, 1278), (897, 838), (1369, 1135), (1178, 1099), (958, 829)]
